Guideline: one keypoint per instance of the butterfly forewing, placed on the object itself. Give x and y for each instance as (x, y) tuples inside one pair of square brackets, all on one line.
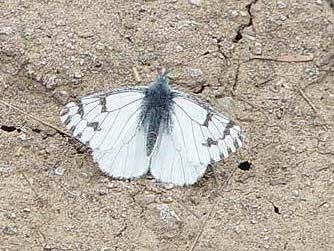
[(108, 124)]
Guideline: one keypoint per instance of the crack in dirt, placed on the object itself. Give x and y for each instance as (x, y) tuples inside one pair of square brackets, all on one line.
[(239, 36), (7, 128)]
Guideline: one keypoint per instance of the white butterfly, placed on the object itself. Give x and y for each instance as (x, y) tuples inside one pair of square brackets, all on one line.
[(156, 130)]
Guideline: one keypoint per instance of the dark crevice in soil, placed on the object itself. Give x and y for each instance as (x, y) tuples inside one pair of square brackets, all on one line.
[(276, 209), (245, 166), (10, 128), (239, 36)]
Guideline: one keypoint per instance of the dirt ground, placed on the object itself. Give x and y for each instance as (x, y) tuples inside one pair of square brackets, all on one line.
[(267, 64)]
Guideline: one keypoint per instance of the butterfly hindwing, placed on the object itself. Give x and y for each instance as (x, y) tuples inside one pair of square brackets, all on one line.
[(199, 137), (108, 124)]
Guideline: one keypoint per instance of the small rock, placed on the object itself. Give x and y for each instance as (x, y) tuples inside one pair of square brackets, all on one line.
[(194, 73), (167, 186), (6, 30), (149, 199), (232, 13), (22, 137), (295, 194), (279, 181), (195, 2), (164, 212), (281, 4), (49, 81), (319, 2), (10, 230), (59, 171), (62, 97), (77, 75), (26, 210), (5, 169), (60, 22), (244, 13), (257, 49), (11, 216)]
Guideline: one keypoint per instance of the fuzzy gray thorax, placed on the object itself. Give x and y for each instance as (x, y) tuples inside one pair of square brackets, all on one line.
[(156, 110)]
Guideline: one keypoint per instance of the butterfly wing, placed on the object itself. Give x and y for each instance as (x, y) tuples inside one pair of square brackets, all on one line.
[(199, 136), (108, 124)]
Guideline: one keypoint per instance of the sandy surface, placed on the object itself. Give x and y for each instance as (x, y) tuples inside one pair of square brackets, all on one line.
[(267, 64)]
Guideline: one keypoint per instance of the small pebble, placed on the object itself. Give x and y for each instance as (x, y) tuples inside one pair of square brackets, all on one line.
[(164, 212), (6, 30), (10, 230), (167, 186), (26, 210), (281, 4), (232, 13), (5, 169), (59, 171), (257, 49), (195, 2), (62, 97), (78, 75), (50, 81), (22, 137), (194, 73), (11, 216)]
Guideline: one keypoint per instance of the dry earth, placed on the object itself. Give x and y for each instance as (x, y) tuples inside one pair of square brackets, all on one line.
[(268, 64)]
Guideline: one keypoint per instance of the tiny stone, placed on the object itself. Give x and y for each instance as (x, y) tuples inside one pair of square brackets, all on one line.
[(59, 171), (243, 13), (60, 23), (167, 200), (5, 30), (257, 49), (295, 193), (281, 4), (195, 72), (77, 75), (62, 97), (232, 13), (5, 169), (22, 137), (195, 2), (149, 199), (10, 230), (279, 181), (49, 81), (11, 216), (318, 2), (26, 210), (168, 186), (179, 48)]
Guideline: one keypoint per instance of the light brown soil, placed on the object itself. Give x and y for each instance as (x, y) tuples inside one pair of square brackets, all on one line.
[(268, 64)]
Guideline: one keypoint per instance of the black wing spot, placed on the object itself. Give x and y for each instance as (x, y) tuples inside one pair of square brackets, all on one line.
[(221, 156), (209, 142), (80, 109), (236, 144), (245, 166), (72, 129), (207, 119), (229, 150), (79, 135), (67, 120), (227, 129), (94, 125), (103, 103)]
